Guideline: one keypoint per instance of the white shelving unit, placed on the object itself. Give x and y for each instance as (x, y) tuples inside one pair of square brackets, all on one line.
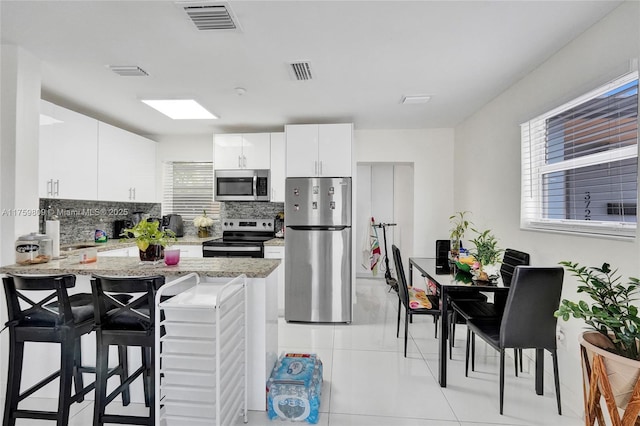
[(202, 355)]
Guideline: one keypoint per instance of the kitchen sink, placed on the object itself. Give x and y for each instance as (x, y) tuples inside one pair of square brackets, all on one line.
[(76, 247)]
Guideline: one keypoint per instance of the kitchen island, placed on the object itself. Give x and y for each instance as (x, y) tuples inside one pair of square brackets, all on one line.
[(262, 317)]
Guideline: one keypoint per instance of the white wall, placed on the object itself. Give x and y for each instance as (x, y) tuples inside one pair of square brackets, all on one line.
[(431, 153), (487, 147), (19, 115)]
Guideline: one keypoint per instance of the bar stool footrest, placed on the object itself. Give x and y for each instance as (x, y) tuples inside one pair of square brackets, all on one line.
[(129, 420)]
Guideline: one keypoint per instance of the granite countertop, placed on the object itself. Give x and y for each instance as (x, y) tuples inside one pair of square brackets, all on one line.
[(125, 243), (130, 266), (277, 242)]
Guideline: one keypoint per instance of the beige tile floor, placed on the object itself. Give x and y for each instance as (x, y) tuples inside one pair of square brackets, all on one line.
[(368, 382)]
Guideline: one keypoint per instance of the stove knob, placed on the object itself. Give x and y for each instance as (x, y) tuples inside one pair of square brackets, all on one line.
[(230, 223), (225, 224), (264, 224), (269, 225)]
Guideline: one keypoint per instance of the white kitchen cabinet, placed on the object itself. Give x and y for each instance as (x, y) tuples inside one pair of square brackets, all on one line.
[(126, 165), (323, 150), (277, 252), (242, 151), (277, 167), (68, 152)]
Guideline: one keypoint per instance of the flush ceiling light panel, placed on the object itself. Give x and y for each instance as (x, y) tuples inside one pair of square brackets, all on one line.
[(180, 109), (208, 15), (415, 99), (300, 70), (128, 70)]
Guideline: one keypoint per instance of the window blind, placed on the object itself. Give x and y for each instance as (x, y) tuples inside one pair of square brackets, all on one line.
[(188, 189), (580, 163)]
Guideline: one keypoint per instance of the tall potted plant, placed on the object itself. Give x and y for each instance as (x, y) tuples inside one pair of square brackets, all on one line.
[(459, 225), (150, 239), (610, 352)]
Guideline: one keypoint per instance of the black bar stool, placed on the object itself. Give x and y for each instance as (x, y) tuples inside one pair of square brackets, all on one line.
[(54, 318), (124, 324)]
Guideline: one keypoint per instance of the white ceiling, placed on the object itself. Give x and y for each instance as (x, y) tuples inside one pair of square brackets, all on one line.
[(365, 56)]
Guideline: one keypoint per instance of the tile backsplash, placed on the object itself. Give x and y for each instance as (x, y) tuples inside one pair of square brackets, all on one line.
[(250, 210), (80, 218)]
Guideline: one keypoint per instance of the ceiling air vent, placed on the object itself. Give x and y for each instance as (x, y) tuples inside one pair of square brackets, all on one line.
[(128, 70), (210, 16), (301, 70)]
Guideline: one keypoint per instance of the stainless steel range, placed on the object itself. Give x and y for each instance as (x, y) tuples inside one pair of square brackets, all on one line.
[(240, 238)]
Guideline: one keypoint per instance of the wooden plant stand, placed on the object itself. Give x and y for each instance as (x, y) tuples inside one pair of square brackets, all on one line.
[(596, 384)]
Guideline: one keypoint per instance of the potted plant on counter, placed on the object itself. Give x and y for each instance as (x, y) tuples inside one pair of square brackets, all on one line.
[(150, 239), (203, 223), (611, 351)]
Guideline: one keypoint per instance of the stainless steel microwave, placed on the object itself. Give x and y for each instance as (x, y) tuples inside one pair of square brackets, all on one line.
[(242, 185)]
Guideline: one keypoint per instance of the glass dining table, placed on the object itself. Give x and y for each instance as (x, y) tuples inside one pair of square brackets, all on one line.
[(448, 284)]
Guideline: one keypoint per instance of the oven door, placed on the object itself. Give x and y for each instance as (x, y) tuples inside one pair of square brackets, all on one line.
[(225, 250)]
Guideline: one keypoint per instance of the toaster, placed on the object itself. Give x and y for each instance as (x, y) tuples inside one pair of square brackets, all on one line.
[(174, 223)]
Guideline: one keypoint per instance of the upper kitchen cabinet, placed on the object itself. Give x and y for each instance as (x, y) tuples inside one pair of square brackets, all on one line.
[(126, 167), (68, 152), (277, 167), (319, 150), (242, 151)]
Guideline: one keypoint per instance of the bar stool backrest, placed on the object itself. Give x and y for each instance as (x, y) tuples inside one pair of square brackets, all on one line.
[(49, 310), (116, 310)]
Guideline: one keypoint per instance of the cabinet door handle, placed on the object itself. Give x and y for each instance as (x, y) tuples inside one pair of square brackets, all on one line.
[(244, 161), (56, 188), (240, 161), (50, 187), (130, 193), (315, 167), (134, 193), (320, 167)]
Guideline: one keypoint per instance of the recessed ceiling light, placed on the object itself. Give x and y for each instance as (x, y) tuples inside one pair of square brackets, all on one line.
[(415, 99), (180, 109)]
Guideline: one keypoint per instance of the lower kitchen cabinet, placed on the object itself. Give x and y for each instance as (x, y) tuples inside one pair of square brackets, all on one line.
[(277, 252)]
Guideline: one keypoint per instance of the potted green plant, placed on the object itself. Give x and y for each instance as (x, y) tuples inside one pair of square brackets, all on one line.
[(459, 224), (487, 255), (150, 239), (613, 343)]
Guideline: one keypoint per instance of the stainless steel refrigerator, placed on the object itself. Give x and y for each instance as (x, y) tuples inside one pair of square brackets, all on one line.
[(318, 250)]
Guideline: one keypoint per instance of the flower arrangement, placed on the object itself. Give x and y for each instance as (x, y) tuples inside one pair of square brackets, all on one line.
[(203, 223)]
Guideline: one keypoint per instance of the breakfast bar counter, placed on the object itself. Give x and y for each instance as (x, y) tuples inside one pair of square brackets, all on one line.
[(262, 316), (212, 267)]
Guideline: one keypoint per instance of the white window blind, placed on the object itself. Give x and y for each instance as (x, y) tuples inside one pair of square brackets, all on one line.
[(188, 189), (580, 163)]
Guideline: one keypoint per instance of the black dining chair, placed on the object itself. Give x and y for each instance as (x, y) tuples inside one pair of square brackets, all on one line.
[(40, 310), (415, 300), (528, 321), (465, 309), (125, 324)]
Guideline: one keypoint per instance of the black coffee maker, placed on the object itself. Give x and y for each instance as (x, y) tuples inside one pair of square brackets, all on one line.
[(119, 226)]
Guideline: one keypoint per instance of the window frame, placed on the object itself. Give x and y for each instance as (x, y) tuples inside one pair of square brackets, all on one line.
[(534, 169), (213, 208)]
